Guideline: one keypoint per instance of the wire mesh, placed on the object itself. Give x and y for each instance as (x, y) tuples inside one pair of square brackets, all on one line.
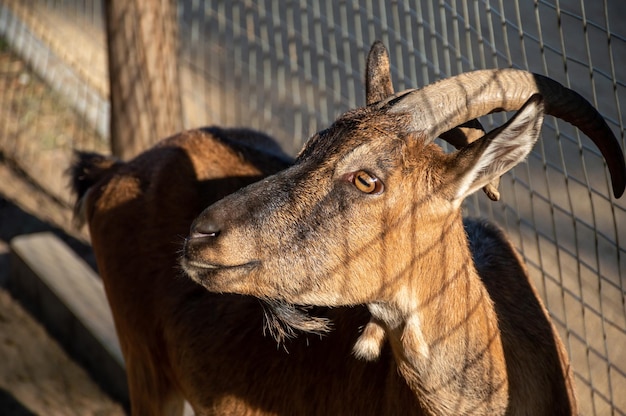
[(289, 68)]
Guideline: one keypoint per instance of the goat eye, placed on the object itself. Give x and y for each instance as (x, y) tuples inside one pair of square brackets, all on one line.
[(367, 183)]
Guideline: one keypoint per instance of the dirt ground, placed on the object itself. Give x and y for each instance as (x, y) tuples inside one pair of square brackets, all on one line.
[(37, 377)]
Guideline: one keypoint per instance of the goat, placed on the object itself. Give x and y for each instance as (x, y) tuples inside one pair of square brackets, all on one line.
[(181, 341), (370, 214), (138, 213)]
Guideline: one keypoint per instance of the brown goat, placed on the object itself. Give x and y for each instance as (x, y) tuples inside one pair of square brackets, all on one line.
[(181, 341), (370, 213)]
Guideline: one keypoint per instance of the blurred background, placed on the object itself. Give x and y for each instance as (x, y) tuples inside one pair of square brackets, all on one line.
[(72, 79)]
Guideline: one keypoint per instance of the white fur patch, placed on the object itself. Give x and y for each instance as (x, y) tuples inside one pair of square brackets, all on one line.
[(370, 343)]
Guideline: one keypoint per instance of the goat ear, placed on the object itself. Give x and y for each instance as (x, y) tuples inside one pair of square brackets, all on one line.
[(498, 151), (378, 85)]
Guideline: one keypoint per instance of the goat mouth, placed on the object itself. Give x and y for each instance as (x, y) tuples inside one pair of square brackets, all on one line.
[(219, 278), (206, 272), (208, 266)]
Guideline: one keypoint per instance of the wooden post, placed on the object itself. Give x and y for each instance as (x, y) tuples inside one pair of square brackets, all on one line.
[(142, 40)]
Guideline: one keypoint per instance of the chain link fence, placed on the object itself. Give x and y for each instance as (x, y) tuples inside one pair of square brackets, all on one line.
[(289, 68)]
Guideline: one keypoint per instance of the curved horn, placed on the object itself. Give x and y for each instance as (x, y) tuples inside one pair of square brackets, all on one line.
[(450, 102)]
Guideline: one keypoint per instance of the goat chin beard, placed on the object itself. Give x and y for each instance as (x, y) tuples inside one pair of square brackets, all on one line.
[(284, 321)]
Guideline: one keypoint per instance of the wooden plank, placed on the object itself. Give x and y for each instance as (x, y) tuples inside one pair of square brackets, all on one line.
[(69, 299)]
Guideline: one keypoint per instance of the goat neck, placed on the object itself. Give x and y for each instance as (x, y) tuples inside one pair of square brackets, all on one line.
[(440, 344)]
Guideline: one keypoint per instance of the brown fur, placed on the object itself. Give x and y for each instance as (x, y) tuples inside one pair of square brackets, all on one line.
[(467, 338), (459, 343), (455, 324)]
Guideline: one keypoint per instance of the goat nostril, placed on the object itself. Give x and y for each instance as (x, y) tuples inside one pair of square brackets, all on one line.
[(204, 229)]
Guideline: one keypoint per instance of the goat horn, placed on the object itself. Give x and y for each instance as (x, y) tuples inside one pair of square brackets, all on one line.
[(450, 102)]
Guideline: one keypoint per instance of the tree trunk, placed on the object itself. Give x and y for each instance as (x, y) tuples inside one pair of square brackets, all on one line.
[(142, 39)]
